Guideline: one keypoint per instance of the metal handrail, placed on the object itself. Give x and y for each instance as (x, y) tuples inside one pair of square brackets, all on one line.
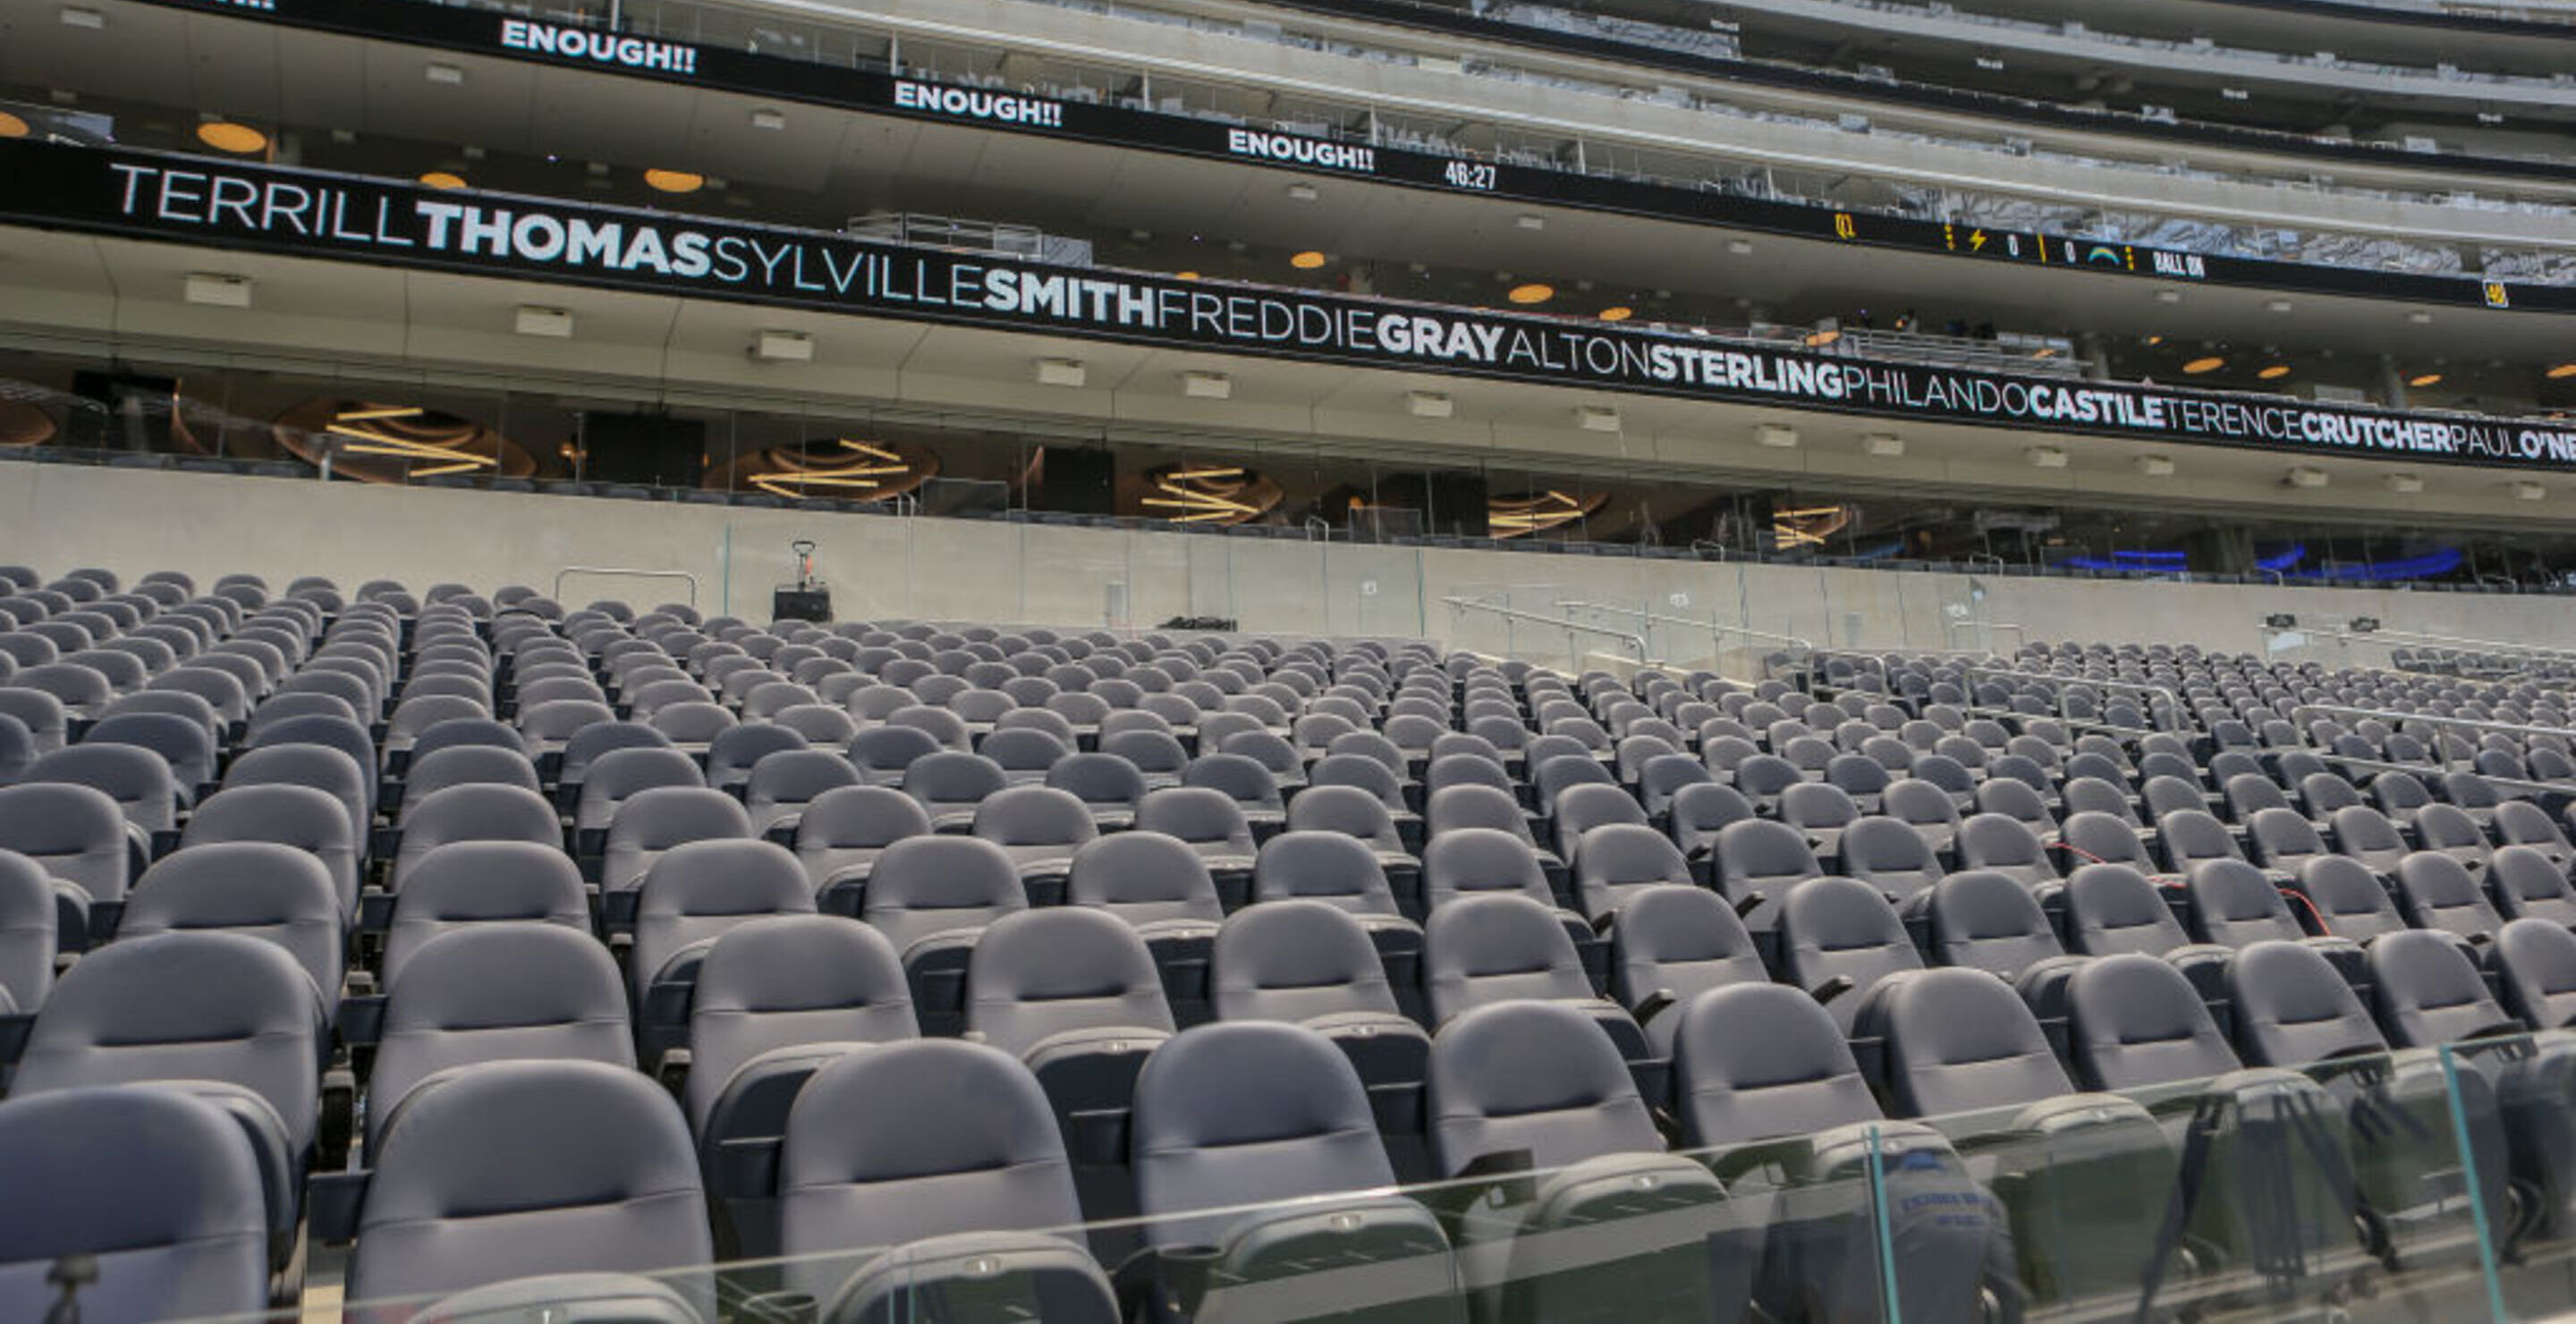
[(1950, 630), (1716, 629), (2346, 634), (2440, 760), (2418, 769), (2441, 763), (628, 571), (2173, 700), (1571, 627), (2430, 719)]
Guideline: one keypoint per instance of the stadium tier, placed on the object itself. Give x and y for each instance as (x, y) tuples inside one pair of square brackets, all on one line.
[(1768, 661), (476, 958)]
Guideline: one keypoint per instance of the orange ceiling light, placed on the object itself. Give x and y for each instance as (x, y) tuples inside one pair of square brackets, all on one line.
[(1308, 260), (2562, 372), (868, 448), (1820, 339), (1208, 494), (2425, 379), (674, 181), (1185, 275), (1533, 292), (226, 136), (443, 179), (2275, 372), (1617, 312), (12, 126), (2205, 363)]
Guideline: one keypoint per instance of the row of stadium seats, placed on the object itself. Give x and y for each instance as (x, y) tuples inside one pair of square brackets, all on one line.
[(495, 856)]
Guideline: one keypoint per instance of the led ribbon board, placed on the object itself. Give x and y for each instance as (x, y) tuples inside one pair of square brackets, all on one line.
[(311, 214)]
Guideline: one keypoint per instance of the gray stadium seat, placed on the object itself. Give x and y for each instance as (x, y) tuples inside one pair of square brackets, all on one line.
[(2537, 962), (465, 884), (496, 992), (31, 922), (593, 1163), (652, 823), (260, 889), (1838, 938), (1983, 920), (1537, 1085), (878, 1154), (2134, 1022), (1259, 1113), (1669, 944), (932, 897), (234, 1016), (1073, 993), (159, 1188), (691, 895), (475, 811), (842, 833), (1494, 948)]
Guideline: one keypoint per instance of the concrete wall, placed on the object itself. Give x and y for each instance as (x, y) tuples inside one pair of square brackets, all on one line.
[(56, 517)]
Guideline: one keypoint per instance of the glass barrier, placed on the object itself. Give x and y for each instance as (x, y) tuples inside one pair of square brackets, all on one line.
[(2423, 1183), (1614, 563)]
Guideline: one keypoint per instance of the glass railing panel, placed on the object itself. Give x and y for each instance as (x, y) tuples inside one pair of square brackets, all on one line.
[(2418, 1184), (2389, 1178), (1373, 590)]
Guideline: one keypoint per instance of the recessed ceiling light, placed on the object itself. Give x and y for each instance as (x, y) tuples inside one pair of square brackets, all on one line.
[(2425, 379), (217, 289), (1186, 275), (1533, 292), (1302, 192), (1619, 312), (13, 127), (1308, 260), (2205, 363), (2562, 372), (445, 75), (2275, 372), (768, 119), (1820, 339), (443, 179), (226, 136), (552, 323), (2153, 341), (674, 181)]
